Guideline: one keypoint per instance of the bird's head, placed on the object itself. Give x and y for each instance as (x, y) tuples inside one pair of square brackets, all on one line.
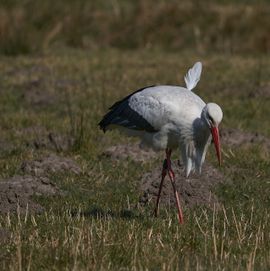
[(212, 114)]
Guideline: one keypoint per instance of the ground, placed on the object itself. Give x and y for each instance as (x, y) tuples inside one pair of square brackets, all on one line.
[(72, 197)]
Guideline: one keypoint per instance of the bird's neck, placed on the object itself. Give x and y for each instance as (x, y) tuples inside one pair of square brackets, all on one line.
[(201, 131)]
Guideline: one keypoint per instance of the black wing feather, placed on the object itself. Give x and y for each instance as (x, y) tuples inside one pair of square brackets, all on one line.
[(122, 114)]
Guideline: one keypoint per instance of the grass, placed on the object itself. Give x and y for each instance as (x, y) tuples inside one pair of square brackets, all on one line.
[(98, 225), (225, 26)]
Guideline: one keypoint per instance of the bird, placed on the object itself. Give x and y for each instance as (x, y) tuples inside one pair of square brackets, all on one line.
[(168, 117)]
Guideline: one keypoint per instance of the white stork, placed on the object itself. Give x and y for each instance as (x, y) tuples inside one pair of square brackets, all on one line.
[(167, 117)]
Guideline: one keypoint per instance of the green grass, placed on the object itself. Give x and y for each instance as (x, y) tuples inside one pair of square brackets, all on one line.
[(97, 225)]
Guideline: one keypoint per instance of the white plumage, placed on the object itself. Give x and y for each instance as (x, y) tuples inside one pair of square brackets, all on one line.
[(177, 115), (193, 76), (167, 117), (171, 111)]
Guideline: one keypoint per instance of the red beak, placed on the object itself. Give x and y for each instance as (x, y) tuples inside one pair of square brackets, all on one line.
[(215, 135)]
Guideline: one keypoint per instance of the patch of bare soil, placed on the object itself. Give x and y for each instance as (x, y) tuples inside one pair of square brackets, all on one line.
[(234, 137), (50, 164), (39, 137), (39, 93), (262, 92), (16, 192), (131, 151), (44, 92), (24, 73), (196, 190), (53, 141)]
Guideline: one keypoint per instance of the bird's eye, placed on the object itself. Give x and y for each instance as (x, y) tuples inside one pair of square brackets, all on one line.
[(211, 119)]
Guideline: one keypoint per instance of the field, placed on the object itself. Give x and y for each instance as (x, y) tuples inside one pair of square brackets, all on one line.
[(72, 198)]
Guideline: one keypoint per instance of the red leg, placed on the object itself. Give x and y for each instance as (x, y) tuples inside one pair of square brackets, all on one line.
[(172, 178), (163, 175)]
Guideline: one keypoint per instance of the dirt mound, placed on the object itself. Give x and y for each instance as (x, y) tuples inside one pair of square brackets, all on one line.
[(16, 192), (38, 137), (196, 190), (235, 137), (39, 93), (50, 164), (130, 150), (52, 141)]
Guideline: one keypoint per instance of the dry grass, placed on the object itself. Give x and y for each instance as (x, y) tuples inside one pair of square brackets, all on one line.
[(217, 240), (223, 26)]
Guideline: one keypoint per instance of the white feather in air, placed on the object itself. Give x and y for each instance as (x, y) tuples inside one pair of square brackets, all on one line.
[(193, 76)]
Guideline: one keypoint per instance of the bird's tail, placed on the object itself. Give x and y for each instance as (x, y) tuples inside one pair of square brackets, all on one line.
[(106, 121), (193, 76)]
